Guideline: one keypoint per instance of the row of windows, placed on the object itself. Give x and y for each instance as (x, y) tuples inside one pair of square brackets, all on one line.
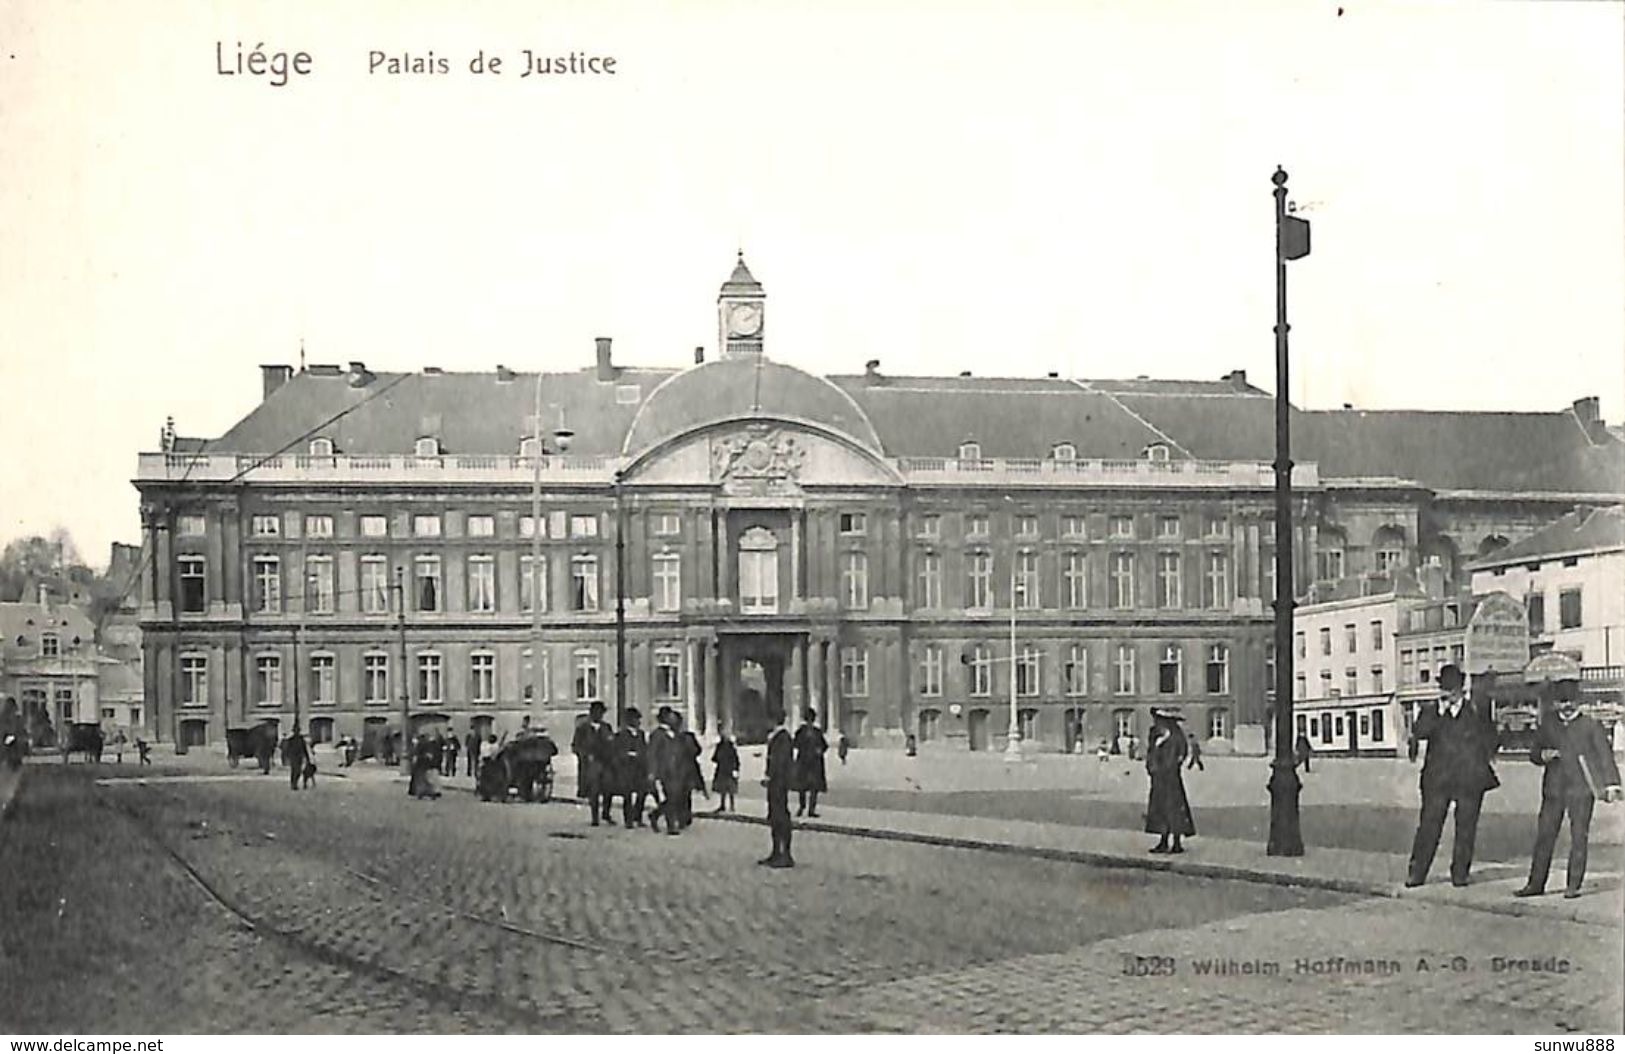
[(375, 587), (979, 661), (758, 582), (669, 524), (1569, 610), (321, 677), (1421, 665), (1350, 685), (428, 525), (1330, 563), (1375, 633), (1330, 729), (1073, 585)]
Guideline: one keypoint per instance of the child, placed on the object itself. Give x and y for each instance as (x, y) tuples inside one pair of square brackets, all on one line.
[(726, 780)]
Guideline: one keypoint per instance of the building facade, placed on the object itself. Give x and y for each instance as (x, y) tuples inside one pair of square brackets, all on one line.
[(49, 665), (907, 556), (1347, 666)]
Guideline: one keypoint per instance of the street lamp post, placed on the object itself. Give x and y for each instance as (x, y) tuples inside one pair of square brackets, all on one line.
[(561, 439), (406, 688), (1285, 836), (1012, 742)]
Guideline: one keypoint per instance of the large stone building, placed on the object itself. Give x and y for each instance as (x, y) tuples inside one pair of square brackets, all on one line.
[(742, 532)]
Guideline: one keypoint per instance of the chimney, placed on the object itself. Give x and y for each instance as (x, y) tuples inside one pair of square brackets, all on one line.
[(1348, 406), (504, 374), (45, 596), (433, 371), (274, 378), (1053, 375), (699, 356), (871, 371), (964, 373), (1588, 409), (606, 369), (360, 376), (1431, 578), (1237, 379)]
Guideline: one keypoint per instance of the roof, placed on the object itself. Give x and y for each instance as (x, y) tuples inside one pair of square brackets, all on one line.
[(741, 281), (31, 621), (739, 387), (1462, 450), (1585, 530), (1016, 418)]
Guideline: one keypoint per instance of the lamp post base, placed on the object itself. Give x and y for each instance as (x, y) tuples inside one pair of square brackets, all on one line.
[(1286, 838), (1012, 747)]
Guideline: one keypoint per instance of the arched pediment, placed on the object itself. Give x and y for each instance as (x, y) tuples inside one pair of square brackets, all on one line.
[(762, 457)]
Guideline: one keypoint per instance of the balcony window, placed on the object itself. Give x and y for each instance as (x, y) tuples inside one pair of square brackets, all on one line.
[(1027, 671), (375, 586), (584, 583), (979, 582), (427, 581), (1218, 669), (482, 677), (1075, 579), (931, 671), (928, 576), (194, 680), (375, 678), (1170, 670), (1123, 670), (1168, 580), (532, 583), (1217, 582), (267, 584), (268, 680), (758, 572), (323, 679), (320, 595), (855, 581), (668, 673), (194, 596), (1026, 595), (1122, 577), (668, 582), (854, 671), (430, 684), (1075, 671), (482, 583)]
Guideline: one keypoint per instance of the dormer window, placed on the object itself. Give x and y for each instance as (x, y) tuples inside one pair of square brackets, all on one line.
[(1157, 452), (427, 446), (321, 447), (527, 446), (970, 451), (1064, 452), (50, 646)]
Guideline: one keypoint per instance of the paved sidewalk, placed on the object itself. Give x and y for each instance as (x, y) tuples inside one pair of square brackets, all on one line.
[(1345, 870)]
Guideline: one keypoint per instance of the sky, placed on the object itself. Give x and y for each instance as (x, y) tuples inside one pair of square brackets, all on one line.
[(1003, 187)]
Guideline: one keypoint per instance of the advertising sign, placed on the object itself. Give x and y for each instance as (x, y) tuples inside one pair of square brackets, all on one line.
[(1497, 636)]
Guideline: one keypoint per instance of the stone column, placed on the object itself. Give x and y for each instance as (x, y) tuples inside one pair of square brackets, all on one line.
[(794, 694), (795, 554), (713, 691), (832, 687), (691, 660)]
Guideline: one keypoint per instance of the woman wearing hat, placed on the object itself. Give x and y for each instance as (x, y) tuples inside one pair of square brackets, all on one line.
[(1168, 812)]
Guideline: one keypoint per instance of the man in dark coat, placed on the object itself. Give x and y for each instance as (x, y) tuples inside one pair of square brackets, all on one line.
[(472, 746), (630, 766), (295, 755), (1167, 811), (450, 756), (1580, 767), (666, 771), (593, 746), (690, 777), (1461, 739), (780, 760), (810, 747)]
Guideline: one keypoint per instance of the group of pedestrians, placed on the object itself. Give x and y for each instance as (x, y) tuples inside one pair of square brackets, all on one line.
[(1462, 738), (655, 774)]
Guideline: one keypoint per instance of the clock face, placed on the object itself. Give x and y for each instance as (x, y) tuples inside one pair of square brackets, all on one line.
[(745, 320)]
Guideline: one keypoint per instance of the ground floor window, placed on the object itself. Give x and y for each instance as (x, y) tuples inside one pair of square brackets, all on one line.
[(1218, 723), (1027, 725), (929, 722), (1376, 726), (321, 730)]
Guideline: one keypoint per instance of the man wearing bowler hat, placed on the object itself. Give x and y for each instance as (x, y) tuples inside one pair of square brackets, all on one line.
[(1461, 739), (593, 748), (1580, 768)]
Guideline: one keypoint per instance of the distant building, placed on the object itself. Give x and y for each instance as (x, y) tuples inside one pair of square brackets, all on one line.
[(49, 665), (856, 543), (1570, 577), (1487, 637)]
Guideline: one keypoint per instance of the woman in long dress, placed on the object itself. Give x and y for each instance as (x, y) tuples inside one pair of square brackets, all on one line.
[(810, 779), (1168, 812)]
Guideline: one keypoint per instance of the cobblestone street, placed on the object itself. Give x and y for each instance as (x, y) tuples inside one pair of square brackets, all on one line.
[(235, 905)]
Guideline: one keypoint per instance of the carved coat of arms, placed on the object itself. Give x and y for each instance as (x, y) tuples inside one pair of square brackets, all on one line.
[(760, 459)]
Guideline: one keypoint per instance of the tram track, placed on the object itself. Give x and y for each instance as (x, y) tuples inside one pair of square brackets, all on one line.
[(436, 991)]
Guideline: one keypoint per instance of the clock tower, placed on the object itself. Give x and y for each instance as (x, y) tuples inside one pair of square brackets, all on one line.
[(740, 314)]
